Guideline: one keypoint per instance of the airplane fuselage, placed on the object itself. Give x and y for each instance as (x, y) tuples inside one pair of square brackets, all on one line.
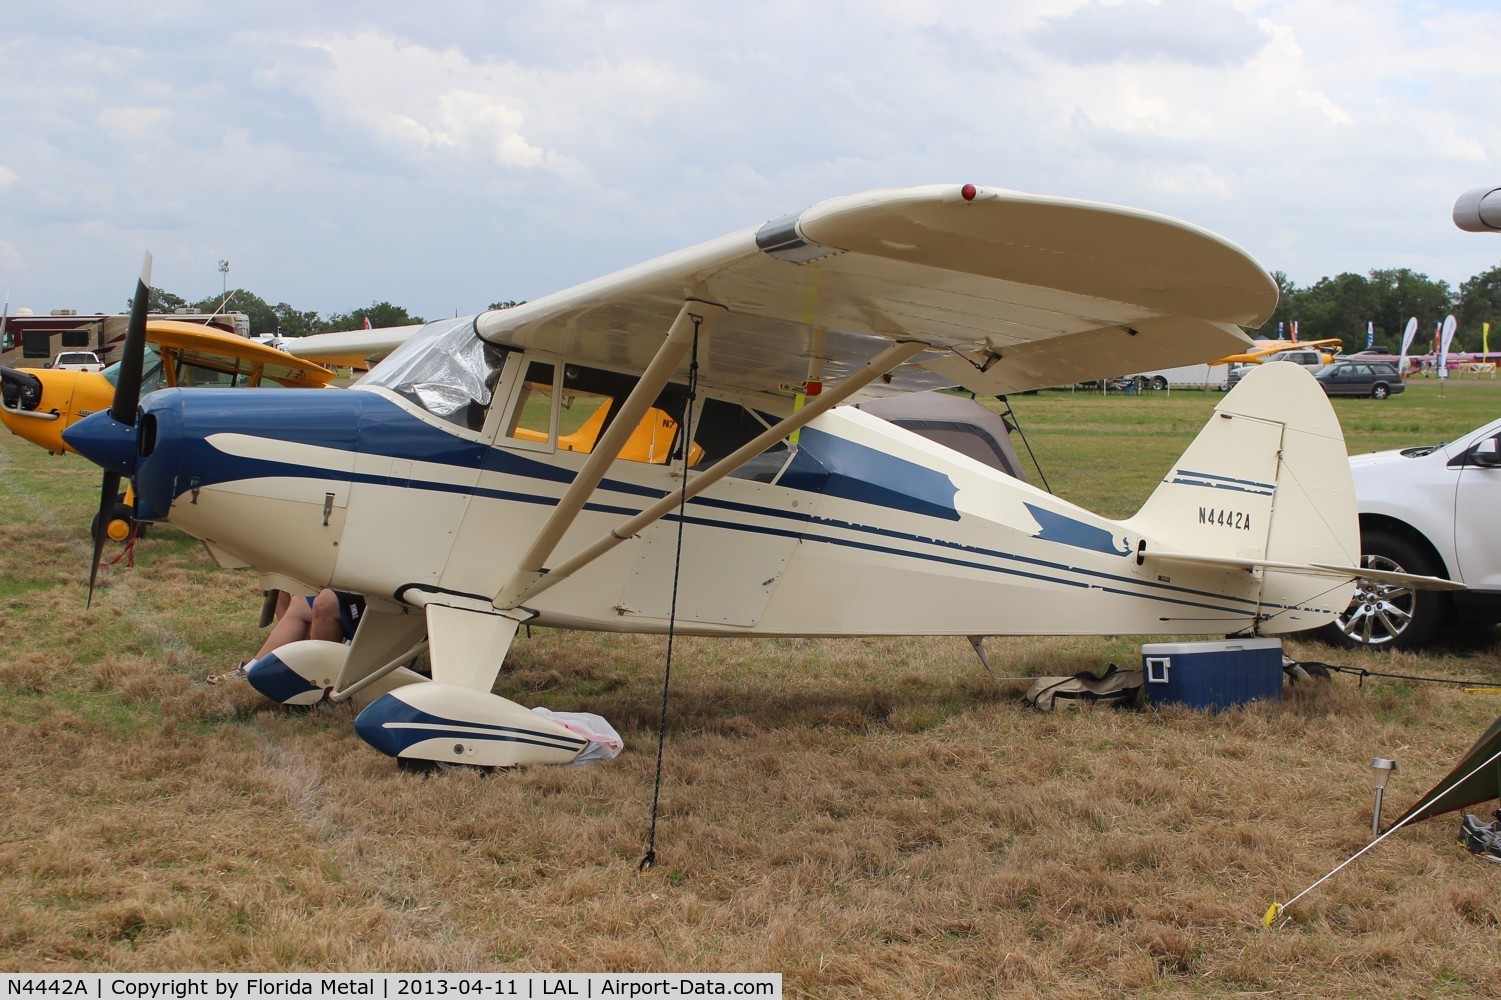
[(867, 528)]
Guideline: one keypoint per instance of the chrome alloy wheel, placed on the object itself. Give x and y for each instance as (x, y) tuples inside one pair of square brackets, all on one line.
[(1379, 612)]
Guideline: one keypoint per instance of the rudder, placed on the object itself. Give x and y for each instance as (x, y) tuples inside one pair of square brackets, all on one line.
[(1266, 479)]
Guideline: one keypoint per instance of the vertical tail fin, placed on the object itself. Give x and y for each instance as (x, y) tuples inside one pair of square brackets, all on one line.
[(1267, 479)]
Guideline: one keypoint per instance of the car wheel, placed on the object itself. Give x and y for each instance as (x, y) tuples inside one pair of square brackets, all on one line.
[(1380, 391), (1159, 383), (1386, 615)]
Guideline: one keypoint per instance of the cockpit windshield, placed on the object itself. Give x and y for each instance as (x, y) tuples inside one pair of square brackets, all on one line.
[(152, 377), (446, 369)]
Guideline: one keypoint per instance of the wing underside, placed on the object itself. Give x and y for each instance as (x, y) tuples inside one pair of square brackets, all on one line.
[(1010, 291)]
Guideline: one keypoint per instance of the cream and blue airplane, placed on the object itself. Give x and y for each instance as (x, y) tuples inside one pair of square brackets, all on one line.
[(664, 447)]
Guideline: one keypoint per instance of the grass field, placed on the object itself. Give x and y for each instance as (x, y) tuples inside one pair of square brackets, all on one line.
[(875, 818)]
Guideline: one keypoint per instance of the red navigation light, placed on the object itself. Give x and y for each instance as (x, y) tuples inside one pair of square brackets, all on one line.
[(968, 192)]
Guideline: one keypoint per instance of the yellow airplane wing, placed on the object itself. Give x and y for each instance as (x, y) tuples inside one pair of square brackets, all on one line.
[(194, 348), (1265, 349)]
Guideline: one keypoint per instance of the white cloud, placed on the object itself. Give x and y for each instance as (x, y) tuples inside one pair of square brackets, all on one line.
[(132, 124), (441, 110), (343, 152), (1146, 31)]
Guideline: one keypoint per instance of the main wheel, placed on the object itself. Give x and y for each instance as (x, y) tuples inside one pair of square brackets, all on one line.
[(1387, 615), (1380, 391)]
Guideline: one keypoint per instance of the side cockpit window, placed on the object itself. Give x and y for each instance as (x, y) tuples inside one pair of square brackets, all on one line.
[(446, 369), (586, 401), (570, 407), (723, 427)]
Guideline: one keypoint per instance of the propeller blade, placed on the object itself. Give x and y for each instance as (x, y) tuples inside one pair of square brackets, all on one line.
[(123, 409), (133, 353), (109, 492)]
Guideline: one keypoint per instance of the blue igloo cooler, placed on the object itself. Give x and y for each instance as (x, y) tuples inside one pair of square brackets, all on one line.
[(1212, 675)]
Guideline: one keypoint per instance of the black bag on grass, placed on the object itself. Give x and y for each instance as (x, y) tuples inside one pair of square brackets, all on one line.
[(1114, 687)]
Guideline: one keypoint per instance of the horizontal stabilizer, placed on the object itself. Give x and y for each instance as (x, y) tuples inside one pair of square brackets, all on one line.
[(1306, 569)]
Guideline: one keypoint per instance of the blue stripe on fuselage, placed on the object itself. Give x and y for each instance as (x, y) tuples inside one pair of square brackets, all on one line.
[(371, 424)]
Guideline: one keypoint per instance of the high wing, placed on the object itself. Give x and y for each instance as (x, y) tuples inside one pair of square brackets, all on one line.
[(351, 348), (1012, 291), (196, 345)]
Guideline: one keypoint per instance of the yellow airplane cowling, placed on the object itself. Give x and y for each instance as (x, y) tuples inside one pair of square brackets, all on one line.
[(66, 397)]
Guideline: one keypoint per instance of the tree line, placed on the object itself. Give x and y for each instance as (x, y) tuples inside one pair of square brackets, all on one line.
[(287, 321), (1342, 306)]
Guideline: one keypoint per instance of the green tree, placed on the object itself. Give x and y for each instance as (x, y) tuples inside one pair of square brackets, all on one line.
[(1401, 294), (380, 314), (291, 322), (263, 318), (1479, 303), (1335, 307), (1341, 307), (161, 301), (1288, 298)]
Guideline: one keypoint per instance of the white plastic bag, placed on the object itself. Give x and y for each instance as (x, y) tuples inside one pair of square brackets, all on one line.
[(604, 742)]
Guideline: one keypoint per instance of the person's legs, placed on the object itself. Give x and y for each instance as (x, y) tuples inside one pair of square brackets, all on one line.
[(327, 624), (296, 623)]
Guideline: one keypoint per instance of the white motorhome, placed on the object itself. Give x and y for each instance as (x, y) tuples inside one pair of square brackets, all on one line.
[(1204, 376)]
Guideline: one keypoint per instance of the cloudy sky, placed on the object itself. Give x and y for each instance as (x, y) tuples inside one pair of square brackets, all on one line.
[(446, 154)]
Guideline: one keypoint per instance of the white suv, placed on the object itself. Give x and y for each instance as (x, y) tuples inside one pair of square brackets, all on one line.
[(78, 361), (1429, 510)]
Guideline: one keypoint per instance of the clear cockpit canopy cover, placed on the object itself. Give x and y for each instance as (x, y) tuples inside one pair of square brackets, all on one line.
[(152, 377), (445, 368)]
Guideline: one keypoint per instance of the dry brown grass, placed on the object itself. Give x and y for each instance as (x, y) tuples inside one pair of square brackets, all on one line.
[(867, 817)]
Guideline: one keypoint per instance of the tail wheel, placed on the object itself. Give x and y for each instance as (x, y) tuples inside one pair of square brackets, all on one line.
[(1384, 615)]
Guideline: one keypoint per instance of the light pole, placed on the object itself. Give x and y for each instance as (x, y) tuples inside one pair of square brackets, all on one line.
[(224, 270)]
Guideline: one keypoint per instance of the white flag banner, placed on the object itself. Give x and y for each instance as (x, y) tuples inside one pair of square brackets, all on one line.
[(1407, 335), (1443, 349)]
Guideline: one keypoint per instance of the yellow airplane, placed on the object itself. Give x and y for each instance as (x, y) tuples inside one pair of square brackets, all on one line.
[(1264, 350), (39, 404)]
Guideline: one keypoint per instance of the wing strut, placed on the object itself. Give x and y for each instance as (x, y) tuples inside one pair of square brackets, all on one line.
[(694, 317), (882, 363)]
